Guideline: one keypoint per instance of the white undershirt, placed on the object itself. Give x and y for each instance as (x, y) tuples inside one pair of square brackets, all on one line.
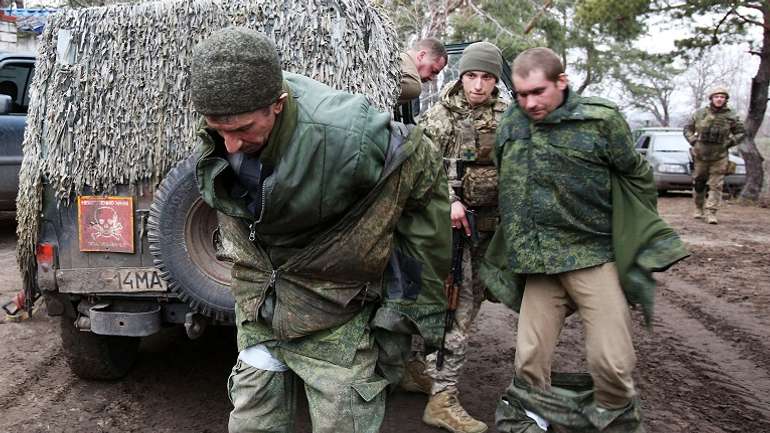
[(259, 357)]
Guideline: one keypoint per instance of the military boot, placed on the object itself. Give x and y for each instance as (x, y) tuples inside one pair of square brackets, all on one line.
[(415, 379), (698, 214), (444, 410), (700, 200), (711, 218)]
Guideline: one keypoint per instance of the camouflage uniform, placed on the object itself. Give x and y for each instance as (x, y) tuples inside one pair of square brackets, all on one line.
[(465, 133), (340, 259), (711, 132), (556, 221)]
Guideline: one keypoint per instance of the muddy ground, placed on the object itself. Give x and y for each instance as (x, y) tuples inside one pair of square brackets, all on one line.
[(704, 367)]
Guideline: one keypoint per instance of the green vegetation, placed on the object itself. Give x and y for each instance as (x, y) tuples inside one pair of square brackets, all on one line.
[(596, 40)]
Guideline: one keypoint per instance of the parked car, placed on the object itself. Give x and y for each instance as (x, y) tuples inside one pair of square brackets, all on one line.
[(16, 70), (668, 152)]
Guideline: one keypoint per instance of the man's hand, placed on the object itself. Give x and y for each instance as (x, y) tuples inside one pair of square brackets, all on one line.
[(458, 217)]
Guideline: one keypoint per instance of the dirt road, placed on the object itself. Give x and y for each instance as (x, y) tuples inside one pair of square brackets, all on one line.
[(704, 367)]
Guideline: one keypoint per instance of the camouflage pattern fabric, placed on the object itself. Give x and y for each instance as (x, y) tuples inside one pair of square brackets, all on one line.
[(554, 177), (711, 174), (558, 209), (568, 404), (316, 291), (265, 401), (459, 130), (712, 132), (465, 133), (470, 298), (328, 290)]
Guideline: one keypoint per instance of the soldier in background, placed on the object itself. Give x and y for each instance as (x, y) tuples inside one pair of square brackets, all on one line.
[(711, 131), (463, 125), (420, 64)]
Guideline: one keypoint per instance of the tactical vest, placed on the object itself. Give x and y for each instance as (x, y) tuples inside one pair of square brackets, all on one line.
[(329, 281), (713, 131), (476, 172)]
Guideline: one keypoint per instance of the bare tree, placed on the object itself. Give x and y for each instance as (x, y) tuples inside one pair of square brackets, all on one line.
[(709, 68), (647, 83)]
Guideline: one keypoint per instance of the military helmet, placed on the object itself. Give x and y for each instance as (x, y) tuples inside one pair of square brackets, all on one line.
[(717, 90)]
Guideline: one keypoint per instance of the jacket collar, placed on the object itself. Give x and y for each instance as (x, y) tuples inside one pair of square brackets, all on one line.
[(453, 98), (569, 109), (284, 127)]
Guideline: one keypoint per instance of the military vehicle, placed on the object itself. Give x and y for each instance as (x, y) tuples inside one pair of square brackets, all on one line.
[(111, 228)]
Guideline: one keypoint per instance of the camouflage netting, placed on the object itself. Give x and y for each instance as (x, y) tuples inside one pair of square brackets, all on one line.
[(112, 105)]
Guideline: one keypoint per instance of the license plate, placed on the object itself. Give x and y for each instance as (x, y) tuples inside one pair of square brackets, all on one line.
[(110, 280), (140, 280)]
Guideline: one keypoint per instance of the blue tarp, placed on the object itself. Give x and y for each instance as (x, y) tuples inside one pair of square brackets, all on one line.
[(29, 20)]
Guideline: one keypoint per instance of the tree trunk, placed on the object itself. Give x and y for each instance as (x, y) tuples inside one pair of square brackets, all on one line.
[(755, 172), (589, 71)]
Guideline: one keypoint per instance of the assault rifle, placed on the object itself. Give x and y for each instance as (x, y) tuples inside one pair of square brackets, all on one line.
[(454, 280)]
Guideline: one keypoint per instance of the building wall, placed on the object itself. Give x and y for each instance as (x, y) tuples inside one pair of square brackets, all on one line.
[(10, 40)]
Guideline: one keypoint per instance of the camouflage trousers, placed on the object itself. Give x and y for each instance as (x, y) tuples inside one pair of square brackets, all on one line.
[(711, 174), (568, 406), (456, 342), (341, 399)]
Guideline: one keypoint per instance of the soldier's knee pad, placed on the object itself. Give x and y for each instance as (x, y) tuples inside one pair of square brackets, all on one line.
[(699, 184)]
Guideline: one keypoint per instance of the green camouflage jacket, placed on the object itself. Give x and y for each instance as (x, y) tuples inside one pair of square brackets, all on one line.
[(561, 194), (712, 132), (463, 132), (353, 226), (554, 177)]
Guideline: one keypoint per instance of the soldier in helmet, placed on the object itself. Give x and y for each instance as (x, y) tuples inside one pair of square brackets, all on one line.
[(463, 125), (711, 131)]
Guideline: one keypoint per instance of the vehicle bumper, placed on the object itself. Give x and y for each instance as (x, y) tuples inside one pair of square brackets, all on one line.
[(667, 181), (735, 180)]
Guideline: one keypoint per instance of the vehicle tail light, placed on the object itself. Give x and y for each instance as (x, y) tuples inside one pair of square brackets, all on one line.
[(45, 254), (46, 266)]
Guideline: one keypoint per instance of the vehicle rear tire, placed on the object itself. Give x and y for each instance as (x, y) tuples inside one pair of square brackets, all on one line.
[(92, 356), (183, 237)]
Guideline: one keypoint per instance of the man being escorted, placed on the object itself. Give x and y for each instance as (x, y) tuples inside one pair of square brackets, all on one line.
[(711, 131), (316, 196), (463, 125), (558, 156)]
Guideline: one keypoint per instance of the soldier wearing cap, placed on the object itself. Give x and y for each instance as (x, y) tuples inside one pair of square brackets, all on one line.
[(463, 125), (336, 223), (712, 131)]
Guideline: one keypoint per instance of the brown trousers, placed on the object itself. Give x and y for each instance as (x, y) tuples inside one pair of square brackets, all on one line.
[(595, 293)]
